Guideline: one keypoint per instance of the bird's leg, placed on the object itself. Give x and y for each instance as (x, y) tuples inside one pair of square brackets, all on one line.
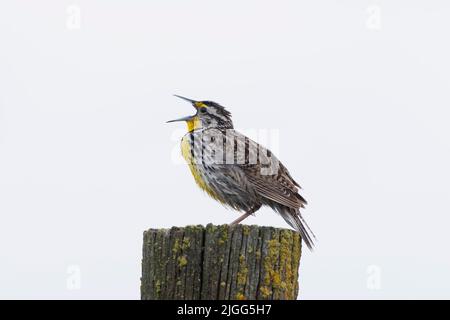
[(240, 219), (245, 215)]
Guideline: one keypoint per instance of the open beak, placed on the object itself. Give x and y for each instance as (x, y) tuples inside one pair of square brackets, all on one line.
[(186, 99), (193, 102), (181, 119)]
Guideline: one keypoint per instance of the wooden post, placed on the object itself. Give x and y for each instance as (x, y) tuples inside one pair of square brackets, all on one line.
[(220, 262)]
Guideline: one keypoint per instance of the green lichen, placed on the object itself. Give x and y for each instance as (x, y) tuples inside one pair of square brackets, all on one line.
[(243, 271), (210, 228), (182, 261), (245, 230), (223, 235), (176, 246), (194, 227), (158, 287), (161, 232), (186, 243), (265, 292)]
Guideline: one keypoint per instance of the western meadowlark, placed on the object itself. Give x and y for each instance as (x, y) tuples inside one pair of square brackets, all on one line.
[(237, 171)]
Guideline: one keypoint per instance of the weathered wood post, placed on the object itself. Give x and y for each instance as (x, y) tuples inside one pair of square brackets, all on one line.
[(220, 262)]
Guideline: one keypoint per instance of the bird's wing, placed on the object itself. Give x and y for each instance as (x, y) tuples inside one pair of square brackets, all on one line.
[(268, 176)]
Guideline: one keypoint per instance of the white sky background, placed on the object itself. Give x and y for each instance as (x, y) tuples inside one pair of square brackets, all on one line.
[(361, 107)]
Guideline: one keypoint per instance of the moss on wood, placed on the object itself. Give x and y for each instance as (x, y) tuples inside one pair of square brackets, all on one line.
[(220, 262)]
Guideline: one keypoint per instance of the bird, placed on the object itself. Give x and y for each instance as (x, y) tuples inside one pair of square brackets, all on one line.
[(237, 171)]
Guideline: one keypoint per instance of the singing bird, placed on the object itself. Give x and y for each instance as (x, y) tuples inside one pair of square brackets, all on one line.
[(237, 171)]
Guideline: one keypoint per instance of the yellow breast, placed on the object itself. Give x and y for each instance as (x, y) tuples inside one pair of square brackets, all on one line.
[(198, 177)]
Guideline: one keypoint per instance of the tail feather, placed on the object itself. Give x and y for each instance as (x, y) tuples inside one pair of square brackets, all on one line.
[(296, 221)]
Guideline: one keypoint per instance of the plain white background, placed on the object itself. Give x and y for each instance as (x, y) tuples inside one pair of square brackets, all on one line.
[(357, 91)]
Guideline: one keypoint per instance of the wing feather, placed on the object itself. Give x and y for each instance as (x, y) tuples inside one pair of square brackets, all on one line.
[(265, 172)]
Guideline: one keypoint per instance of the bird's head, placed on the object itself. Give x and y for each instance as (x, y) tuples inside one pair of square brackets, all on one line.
[(209, 115)]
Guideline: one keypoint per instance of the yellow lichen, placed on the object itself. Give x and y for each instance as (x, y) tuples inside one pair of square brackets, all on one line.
[(272, 277), (276, 279), (286, 263), (296, 253), (270, 261), (240, 296)]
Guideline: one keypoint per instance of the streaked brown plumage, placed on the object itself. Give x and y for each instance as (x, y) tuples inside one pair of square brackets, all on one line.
[(237, 171)]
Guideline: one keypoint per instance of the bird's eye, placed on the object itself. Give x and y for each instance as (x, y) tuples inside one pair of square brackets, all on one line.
[(203, 110)]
